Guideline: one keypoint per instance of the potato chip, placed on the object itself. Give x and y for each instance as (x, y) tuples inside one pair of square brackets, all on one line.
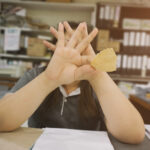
[(105, 61)]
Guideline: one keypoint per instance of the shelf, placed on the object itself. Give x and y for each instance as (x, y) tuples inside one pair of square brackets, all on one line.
[(27, 29), (124, 30), (131, 78), (24, 57), (126, 4), (54, 5), (5, 78)]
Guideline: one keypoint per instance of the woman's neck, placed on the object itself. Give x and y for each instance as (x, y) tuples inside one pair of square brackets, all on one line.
[(71, 87)]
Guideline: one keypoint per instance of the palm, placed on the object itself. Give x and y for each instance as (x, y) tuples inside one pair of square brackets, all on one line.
[(65, 62)]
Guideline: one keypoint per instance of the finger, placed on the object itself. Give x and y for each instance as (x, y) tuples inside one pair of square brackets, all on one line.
[(68, 28), (90, 50), (61, 38), (84, 44), (76, 35), (82, 60), (49, 45), (85, 31), (83, 72), (54, 32)]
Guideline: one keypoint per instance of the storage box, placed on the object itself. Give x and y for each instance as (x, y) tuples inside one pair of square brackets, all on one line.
[(36, 47), (102, 39), (115, 45), (102, 44), (108, 44), (103, 35)]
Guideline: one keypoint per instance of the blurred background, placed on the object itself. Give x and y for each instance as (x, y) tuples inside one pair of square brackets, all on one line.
[(124, 25)]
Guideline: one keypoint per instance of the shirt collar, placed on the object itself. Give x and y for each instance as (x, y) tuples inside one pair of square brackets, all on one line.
[(73, 93)]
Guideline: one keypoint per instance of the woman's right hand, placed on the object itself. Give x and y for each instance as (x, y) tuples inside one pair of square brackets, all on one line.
[(67, 65)]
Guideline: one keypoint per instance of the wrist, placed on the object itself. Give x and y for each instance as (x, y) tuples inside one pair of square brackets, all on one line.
[(47, 82), (98, 76)]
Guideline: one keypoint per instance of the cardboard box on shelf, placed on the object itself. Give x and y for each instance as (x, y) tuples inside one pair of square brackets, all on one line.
[(102, 39), (36, 47), (108, 44), (102, 44), (103, 35), (115, 45)]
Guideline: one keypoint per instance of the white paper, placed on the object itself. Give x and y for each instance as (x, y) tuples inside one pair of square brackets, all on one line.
[(132, 39), (145, 24), (126, 38), (144, 64), (12, 39), (68, 139), (101, 13), (93, 19), (134, 62), (147, 40), (139, 62), (131, 24), (129, 62), (117, 13), (137, 39), (21, 13), (124, 65), (147, 127), (143, 38), (148, 64), (118, 61), (112, 12), (107, 12)]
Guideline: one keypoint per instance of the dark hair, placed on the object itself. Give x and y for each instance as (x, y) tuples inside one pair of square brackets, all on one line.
[(87, 103)]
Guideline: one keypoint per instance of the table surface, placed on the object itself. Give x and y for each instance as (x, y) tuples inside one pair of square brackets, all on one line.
[(24, 138)]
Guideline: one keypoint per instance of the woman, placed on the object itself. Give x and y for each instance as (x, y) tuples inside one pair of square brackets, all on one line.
[(40, 97)]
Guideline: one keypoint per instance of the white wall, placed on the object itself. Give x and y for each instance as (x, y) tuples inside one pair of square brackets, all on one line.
[(52, 16)]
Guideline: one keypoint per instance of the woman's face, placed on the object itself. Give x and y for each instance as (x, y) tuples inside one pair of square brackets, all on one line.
[(75, 83)]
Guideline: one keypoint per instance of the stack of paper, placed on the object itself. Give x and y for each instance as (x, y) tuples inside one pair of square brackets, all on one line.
[(147, 128), (67, 139)]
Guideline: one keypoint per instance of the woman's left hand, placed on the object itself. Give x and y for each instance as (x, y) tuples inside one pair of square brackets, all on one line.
[(88, 51)]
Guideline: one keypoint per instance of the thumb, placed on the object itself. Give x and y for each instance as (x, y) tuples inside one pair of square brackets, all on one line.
[(84, 72)]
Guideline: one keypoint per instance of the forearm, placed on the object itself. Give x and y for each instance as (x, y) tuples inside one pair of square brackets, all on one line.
[(18, 107), (122, 119)]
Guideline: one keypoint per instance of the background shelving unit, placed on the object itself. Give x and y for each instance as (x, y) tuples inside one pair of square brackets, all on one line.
[(81, 12), (126, 71), (50, 13), (24, 57)]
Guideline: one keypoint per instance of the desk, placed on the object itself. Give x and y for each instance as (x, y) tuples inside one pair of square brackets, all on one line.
[(142, 106), (24, 138)]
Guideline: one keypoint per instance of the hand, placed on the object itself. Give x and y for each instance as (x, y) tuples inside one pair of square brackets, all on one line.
[(88, 50), (67, 65)]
